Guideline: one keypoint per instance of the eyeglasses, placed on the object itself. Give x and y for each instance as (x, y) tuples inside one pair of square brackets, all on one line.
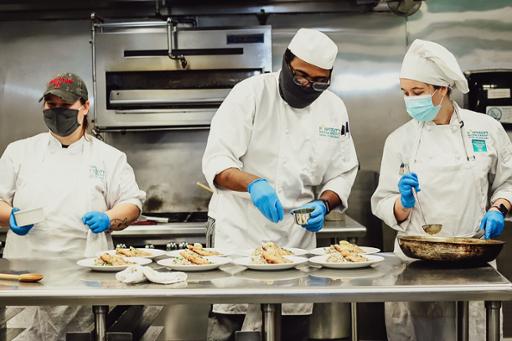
[(317, 83)]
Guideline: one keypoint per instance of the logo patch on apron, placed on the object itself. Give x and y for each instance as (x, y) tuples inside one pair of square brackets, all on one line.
[(479, 146)]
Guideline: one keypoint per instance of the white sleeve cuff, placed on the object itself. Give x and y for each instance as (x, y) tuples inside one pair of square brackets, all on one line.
[(134, 201), (501, 195), (216, 165), (386, 209)]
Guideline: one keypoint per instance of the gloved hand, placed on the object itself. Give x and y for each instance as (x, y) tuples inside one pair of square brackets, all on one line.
[(493, 223), (19, 230), (264, 197), (405, 185), (97, 221), (317, 218)]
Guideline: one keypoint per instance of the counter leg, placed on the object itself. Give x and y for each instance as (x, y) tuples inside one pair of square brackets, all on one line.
[(3, 323), (492, 328), (463, 321), (100, 321), (271, 322), (353, 319)]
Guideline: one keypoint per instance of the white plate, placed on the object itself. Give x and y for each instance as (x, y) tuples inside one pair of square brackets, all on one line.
[(176, 253), (247, 262), (367, 250), (89, 263), (216, 262), (294, 250), (154, 253), (322, 260)]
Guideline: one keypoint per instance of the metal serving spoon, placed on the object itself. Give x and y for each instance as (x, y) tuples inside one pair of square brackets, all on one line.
[(431, 229)]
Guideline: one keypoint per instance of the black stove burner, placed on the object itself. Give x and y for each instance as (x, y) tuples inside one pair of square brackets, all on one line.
[(198, 217), (182, 217)]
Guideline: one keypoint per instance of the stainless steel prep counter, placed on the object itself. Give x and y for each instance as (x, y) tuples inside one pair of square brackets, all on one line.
[(392, 280)]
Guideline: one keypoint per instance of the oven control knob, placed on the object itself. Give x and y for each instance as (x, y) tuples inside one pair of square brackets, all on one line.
[(120, 246), (149, 246), (183, 245), (171, 246)]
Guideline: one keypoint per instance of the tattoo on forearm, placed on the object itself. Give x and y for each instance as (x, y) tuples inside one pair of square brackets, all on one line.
[(119, 224)]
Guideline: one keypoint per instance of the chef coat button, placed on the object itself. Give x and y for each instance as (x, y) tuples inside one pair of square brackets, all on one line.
[(286, 131)]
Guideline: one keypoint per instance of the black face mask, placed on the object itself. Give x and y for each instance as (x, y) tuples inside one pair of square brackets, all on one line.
[(295, 95), (61, 121)]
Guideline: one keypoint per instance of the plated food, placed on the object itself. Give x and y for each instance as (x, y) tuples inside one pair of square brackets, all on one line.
[(106, 259), (191, 261), (338, 261), (344, 246), (109, 262), (275, 249), (132, 252), (198, 249), (273, 263), (135, 252)]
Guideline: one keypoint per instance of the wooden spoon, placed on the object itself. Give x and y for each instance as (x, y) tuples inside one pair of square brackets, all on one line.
[(27, 278)]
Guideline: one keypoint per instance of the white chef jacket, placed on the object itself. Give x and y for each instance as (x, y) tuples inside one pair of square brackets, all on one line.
[(485, 139), (256, 131), (457, 167), (89, 175)]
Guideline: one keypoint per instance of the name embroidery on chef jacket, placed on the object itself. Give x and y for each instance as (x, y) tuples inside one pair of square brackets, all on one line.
[(96, 173), (479, 140), (334, 133)]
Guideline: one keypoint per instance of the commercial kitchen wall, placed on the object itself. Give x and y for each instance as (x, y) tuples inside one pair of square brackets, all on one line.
[(366, 77), (167, 164)]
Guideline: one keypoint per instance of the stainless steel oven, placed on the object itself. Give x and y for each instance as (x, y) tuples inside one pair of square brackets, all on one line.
[(159, 75)]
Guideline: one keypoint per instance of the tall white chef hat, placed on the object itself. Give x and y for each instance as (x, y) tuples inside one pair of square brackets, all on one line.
[(314, 47), (431, 63)]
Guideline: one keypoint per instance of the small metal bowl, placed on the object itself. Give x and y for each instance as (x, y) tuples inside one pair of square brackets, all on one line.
[(302, 215)]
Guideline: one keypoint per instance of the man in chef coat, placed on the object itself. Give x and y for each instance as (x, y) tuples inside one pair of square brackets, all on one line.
[(274, 138)]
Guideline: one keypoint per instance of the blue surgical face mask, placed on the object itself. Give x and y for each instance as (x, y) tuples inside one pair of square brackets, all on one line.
[(421, 107)]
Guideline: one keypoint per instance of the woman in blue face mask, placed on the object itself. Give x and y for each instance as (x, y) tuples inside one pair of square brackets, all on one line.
[(448, 154)]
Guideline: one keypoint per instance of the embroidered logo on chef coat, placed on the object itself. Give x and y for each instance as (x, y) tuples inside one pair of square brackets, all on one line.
[(479, 146), (96, 173), (479, 140), (334, 133), (478, 134)]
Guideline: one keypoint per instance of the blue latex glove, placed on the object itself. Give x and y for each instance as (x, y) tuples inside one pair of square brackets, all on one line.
[(405, 185), (19, 230), (264, 197), (317, 217), (493, 223), (97, 221)]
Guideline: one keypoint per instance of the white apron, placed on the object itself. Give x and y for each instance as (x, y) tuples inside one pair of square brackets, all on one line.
[(451, 194), (61, 183)]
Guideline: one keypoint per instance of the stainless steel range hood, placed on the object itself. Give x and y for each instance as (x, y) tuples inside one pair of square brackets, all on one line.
[(150, 75), (65, 9)]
